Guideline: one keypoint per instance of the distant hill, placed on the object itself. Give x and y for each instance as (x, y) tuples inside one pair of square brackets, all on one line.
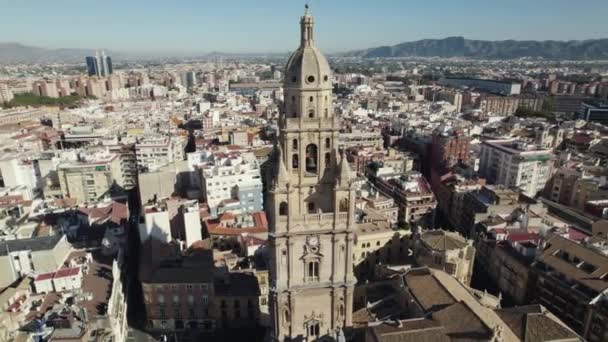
[(506, 49), (18, 53)]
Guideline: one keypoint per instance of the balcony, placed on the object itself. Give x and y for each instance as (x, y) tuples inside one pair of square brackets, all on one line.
[(312, 218)]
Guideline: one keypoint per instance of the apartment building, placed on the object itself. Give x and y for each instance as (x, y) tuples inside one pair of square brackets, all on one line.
[(6, 95), (34, 255), (412, 193), (183, 292), (360, 138), (516, 165), (449, 146), (572, 284), (91, 177), (507, 264), (492, 86), (154, 152), (490, 201), (128, 164), (231, 181)]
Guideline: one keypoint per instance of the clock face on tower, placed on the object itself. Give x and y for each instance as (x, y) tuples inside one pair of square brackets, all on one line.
[(313, 243)]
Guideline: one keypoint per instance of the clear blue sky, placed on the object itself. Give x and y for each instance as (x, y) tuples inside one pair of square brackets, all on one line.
[(272, 26)]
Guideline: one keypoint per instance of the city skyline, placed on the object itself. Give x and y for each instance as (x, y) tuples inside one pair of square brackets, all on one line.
[(193, 27)]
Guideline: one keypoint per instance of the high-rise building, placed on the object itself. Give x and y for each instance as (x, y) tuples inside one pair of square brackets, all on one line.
[(99, 65), (311, 206), (516, 165), (6, 94), (594, 111), (449, 147), (88, 180), (189, 79)]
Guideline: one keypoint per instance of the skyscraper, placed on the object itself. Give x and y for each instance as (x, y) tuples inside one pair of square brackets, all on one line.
[(311, 207), (99, 65)]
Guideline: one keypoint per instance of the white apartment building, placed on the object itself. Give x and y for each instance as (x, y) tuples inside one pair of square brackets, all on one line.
[(152, 153), (360, 138), (516, 165), (15, 172), (160, 224), (5, 93), (231, 181), (90, 177)]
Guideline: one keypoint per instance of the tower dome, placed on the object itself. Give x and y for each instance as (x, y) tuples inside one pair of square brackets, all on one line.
[(307, 67)]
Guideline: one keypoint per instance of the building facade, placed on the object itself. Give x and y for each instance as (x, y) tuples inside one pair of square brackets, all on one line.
[(515, 165), (572, 284), (311, 207), (6, 95), (87, 181), (229, 181)]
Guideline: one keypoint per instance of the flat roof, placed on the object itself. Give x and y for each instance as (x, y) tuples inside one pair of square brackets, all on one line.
[(34, 244)]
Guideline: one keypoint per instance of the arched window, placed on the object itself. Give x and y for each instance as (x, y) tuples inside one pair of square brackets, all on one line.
[(283, 208), (327, 159), (295, 162), (341, 310), (311, 158), (327, 143), (311, 207), (311, 99), (312, 270), (311, 113), (294, 144), (326, 113), (286, 316), (313, 329)]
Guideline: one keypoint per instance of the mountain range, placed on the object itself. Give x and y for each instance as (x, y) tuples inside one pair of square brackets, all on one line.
[(595, 49), (18, 53)]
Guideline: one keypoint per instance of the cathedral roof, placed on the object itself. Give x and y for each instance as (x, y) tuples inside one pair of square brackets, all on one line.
[(307, 67)]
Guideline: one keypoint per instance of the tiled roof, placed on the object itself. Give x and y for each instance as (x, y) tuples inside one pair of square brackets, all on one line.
[(443, 241), (550, 256), (532, 323), (416, 330)]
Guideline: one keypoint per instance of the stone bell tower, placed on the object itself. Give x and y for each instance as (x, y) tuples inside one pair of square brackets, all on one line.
[(311, 207)]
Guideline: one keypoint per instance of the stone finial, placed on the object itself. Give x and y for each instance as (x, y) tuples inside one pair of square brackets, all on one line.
[(282, 176), (345, 175)]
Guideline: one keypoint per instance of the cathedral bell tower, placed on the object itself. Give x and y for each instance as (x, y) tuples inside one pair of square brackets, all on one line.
[(311, 207)]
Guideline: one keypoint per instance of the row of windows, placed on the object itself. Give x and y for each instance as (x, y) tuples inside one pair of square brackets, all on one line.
[(311, 113), (176, 287)]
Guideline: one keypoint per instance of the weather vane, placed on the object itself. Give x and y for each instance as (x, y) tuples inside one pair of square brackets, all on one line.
[(307, 4)]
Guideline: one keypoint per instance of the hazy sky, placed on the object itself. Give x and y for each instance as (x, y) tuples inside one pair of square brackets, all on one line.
[(272, 26)]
